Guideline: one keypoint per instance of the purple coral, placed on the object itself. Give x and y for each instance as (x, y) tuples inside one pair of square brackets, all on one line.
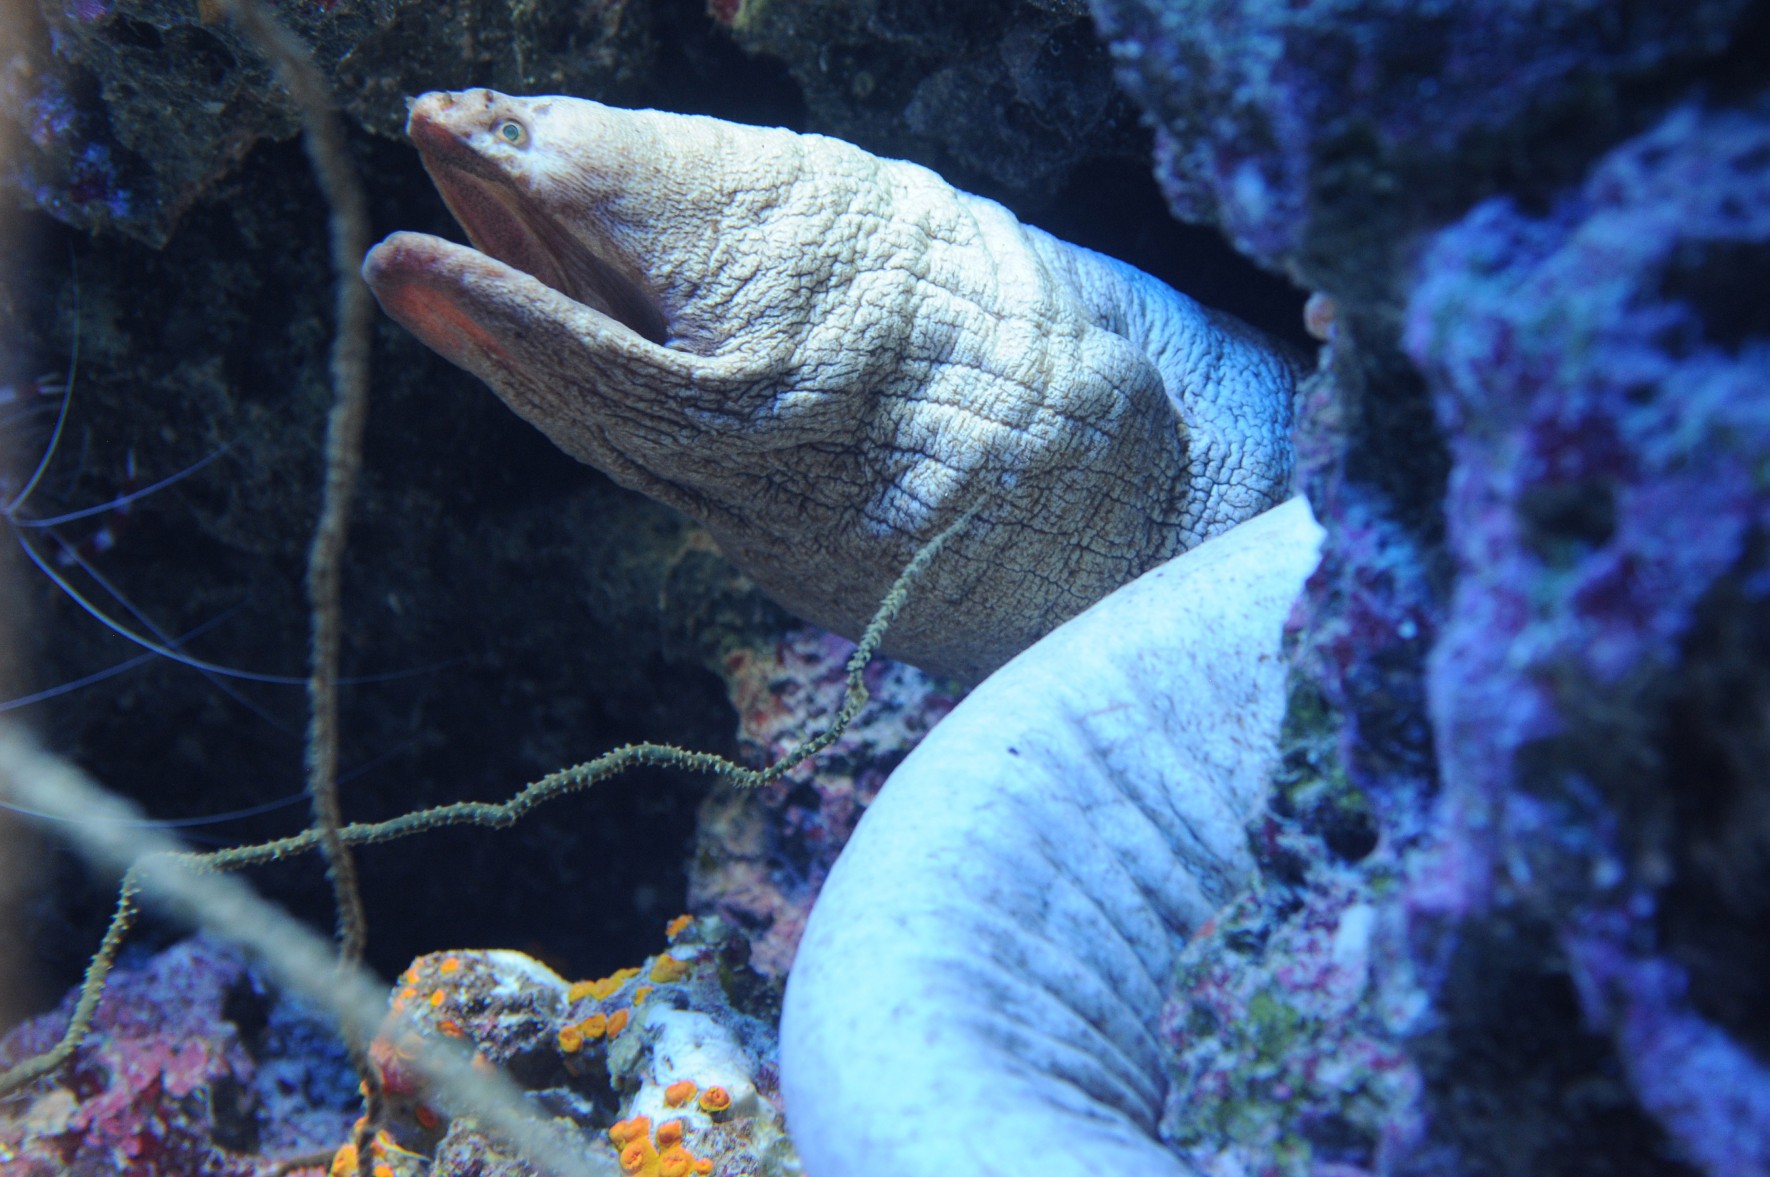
[(1301, 126), (1605, 406)]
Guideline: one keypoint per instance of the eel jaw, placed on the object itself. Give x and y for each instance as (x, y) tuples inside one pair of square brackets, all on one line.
[(438, 291), (514, 228)]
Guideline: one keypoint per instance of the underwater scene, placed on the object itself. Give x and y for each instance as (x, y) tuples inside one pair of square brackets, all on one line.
[(885, 588)]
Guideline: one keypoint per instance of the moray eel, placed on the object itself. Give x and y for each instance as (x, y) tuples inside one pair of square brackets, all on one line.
[(826, 357)]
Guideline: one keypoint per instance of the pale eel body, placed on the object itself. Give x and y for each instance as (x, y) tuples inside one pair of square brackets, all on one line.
[(980, 984), (826, 357)]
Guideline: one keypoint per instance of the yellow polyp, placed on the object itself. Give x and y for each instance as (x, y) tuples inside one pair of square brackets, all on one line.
[(451, 1027), (594, 1026), (571, 1039), (641, 993), (715, 1100), (678, 926), (437, 997), (450, 964), (382, 1171), (617, 1022), (602, 988), (623, 1132), (669, 1132), (667, 968), (675, 1161), (679, 1093), (407, 993), (343, 1161), (703, 1166)]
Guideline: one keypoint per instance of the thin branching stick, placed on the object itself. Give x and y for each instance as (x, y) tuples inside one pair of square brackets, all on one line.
[(497, 815), (108, 832), (348, 224)]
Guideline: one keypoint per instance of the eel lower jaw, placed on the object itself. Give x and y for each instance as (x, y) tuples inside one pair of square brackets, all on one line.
[(460, 301)]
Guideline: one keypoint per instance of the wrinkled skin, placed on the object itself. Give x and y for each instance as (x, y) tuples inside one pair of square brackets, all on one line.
[(826, 357), (980, 985)]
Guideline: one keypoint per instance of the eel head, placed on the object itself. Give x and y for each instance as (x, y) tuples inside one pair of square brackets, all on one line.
[(826, 357)]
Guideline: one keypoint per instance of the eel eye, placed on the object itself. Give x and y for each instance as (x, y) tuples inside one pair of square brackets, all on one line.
[(512, 132)]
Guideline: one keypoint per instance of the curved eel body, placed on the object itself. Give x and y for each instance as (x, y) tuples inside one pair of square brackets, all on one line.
[(979, 985), (826, 357)]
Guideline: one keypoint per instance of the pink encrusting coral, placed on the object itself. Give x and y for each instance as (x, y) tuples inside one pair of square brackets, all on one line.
[(1284, 1031), (761, 856), (191, 1067)]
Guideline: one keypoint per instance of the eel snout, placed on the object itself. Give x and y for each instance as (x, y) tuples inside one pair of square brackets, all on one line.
[(493, 163)]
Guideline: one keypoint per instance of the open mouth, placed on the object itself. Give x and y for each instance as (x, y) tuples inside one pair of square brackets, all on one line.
[(507, 228)]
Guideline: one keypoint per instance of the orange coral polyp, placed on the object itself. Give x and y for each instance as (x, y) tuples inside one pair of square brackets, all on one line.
[(667, 969), (679, 1093), (678, 926), (594, 1026), (602, 988), (571, 1039), (715, 1099), (617, 1022), (669, 1158), (635, 1156), (675, 1161)]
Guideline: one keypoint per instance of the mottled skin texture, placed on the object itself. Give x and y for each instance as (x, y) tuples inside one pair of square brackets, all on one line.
[(826, 357)]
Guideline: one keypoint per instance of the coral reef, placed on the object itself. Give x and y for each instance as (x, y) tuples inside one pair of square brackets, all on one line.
[(1320, 135), (1035, 82), (1600, 370), (1283, 1041), (652, 1064), (761, 855), (1511, 900), (127, 111), (192, 1067), (1530, 658)]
